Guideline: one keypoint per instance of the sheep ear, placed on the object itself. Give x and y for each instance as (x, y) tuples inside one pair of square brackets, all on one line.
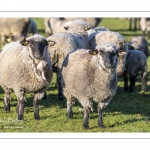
[(24, 42), (87, 28), (8, 40), (66, 27), (51, 43), (93, 52)]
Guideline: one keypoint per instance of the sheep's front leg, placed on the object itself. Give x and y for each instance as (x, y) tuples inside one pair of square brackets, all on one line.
[(21, 95), (100, 116), (37, 97), (85, 118)]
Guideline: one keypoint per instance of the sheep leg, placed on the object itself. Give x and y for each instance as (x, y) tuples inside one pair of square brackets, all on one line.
[(132, 83), (69, 110), (37, 97), (144, 81), (100, 116), (125, 78), (85, 118), (45, 96), (7, 101), (21, 103), (60, 85)]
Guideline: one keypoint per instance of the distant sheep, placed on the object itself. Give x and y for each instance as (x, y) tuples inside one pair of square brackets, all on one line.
[(25, 67), (90, 75), (32, 27), (114, 38), (145, 26), (139, 43), (16, 28), (136, 62), (74, 38)]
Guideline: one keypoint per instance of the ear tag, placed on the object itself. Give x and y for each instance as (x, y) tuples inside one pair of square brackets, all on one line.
[(94, 53), (8, 40), (26, 43)]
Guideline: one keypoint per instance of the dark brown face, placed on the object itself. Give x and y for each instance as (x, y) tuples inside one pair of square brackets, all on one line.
[(38, 48)]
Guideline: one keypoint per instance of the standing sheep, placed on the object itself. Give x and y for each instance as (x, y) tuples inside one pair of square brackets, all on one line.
[(114, 38), (136, 61), (25, 67), (139, 43), (16, 28), (67, 42), (90, 75)]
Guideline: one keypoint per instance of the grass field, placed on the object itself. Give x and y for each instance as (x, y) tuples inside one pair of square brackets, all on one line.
[(127, 112)]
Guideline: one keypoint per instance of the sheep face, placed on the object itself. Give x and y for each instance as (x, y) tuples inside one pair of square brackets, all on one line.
[(36, 48), (107, 55)]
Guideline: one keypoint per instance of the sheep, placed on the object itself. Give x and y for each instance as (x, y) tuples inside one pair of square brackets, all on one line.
[(145, 26), (32, 27), (139, 43), (66, 42), (55, 25), (136, 61), (90, 75), (93, 22), (16, 28), (25, 66), (114, 38)]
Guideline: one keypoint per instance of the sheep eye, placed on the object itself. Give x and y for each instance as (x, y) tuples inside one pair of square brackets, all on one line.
[(102, 51)]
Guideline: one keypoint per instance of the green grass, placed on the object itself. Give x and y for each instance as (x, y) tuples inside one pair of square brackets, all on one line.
[(127, 112)]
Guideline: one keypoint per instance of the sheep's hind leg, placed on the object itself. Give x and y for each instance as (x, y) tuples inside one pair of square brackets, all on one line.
[(100, 117)]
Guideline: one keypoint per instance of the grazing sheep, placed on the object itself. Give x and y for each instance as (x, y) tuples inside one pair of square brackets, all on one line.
[(16, 28), (139, 43), (25, 67), (145, 26), (114, 38), (90, 75), (136, 61), (74, 38)]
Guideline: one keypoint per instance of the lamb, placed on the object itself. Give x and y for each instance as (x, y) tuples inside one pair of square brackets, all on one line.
[(114, 38), (16, 28), (136, 62), (25, 67), (67, 42), (139, 43), (90, 75)]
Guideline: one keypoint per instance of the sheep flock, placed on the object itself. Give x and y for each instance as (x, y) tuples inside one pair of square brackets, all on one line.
[(87, 58)]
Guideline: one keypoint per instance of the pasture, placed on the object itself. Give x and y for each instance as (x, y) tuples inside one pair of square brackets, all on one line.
[(127, 112)]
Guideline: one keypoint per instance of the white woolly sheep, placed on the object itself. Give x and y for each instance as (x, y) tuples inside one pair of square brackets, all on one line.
[(74, 38), (16, 28), (136, 61), (139, 43), (90, 75), (114, 38), (25, 67), (145, 26)]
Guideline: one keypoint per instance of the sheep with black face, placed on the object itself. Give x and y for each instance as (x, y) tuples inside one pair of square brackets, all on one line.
[(90, 75), (25, 67)]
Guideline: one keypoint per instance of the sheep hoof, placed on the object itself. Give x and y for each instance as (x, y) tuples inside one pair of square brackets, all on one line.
[(36, 117), (20, 117), (101, 126), (60, 97), (7, 108), (70, 115), (85, 127)]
